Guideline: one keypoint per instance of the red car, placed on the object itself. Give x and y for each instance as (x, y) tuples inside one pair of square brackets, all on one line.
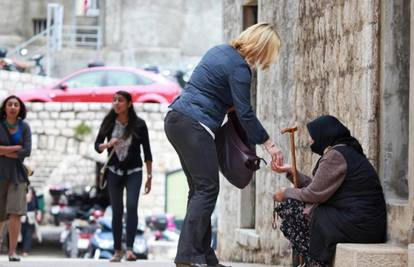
[(100, 83)]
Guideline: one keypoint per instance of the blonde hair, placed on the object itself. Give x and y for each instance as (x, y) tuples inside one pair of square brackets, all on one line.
[(259, 45)]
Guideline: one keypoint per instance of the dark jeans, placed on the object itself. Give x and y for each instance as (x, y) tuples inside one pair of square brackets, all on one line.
[(197, 152), (27, 236), (116, 185)]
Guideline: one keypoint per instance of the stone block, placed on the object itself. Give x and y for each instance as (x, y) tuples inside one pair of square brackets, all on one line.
[(35, 107), (73, 123), (70, 115), (4, 75), (81, 106), (28, 86), (370, 255), (95, 106), (61, 124), (14, 76), (67, 132), (44, 115), (248, 238), (53, 106), (54, 115), (88, 116), (25, 77), (49, 123), (150, 107), (67, 106), (411, 255)]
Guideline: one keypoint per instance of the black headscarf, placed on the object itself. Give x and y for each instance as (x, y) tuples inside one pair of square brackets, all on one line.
[(329, 131)]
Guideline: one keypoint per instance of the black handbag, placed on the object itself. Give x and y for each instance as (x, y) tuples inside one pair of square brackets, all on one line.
[(237, 159)]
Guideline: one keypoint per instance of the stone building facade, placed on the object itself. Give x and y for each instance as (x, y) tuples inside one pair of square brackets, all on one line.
[(345, 58), (134, 32)]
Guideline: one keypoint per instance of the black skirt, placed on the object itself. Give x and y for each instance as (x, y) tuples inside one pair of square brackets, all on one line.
[(295, 227)]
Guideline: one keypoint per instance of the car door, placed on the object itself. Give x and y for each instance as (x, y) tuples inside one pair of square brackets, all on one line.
[(81, 87), (117, 80)]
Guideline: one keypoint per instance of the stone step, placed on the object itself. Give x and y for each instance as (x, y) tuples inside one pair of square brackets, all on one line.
[(370, 255)]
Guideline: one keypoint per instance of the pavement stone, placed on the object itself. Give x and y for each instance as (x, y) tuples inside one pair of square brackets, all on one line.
[(34, 261)]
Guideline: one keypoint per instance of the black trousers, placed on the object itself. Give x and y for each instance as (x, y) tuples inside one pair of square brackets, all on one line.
[(197, 152), (27, 236), (116, 185)]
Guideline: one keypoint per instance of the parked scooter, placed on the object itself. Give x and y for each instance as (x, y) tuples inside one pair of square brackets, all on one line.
[(75, 239), (162, 227), (59, 202), (38, 68), (9, 64), (102, 242)]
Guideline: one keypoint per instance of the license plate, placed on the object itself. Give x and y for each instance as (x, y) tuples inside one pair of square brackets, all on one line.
[(83, 243), (55, 209)]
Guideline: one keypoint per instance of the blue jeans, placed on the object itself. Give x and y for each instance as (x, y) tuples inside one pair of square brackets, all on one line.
[(116, 185)]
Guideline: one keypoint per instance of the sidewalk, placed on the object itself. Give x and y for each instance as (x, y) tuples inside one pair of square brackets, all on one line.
[(56, 262)]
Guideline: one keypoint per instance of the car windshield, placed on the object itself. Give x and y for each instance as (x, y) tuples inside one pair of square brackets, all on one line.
[(88, 79)]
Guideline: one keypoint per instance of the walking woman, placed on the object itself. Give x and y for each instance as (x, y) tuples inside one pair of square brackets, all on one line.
[(221, 82), (342, 203), (15, 146), (125, 132)]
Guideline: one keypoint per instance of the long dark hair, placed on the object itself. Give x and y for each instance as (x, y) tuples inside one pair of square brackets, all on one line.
[(109, 121), (22, 111)]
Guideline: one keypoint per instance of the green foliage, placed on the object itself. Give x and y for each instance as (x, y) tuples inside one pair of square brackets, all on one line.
[(82, 130)]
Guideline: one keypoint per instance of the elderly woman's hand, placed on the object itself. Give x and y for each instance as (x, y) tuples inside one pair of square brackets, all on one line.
[(285, 168), (279, 196)]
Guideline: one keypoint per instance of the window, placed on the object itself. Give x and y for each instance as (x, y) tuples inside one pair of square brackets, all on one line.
[(123, 78), (39, 25), (89, 79), (145, 80)]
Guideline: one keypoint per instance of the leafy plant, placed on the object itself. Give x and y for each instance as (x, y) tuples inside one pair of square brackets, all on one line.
[(82, 130)]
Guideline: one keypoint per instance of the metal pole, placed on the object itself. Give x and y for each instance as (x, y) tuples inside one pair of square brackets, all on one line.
[(48, 35)]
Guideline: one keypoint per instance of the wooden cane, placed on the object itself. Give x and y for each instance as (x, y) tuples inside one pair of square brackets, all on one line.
[(291, 132)]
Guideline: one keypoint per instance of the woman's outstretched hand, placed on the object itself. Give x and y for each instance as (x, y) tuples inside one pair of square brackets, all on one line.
[(279, 196), (274, 152)]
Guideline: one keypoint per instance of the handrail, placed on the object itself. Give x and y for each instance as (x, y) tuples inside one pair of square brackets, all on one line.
[(30, 41)]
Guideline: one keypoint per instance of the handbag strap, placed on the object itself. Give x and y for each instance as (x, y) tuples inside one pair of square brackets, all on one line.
[(109, 158)]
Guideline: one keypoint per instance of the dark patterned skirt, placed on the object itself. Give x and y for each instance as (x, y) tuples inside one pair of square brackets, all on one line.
[(295, 227)]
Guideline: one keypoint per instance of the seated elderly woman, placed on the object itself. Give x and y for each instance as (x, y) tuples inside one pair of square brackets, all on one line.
[(342, 203)]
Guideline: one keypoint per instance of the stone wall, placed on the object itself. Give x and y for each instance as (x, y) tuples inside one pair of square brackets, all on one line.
[(327, 65), (394, 97), (11, 82)]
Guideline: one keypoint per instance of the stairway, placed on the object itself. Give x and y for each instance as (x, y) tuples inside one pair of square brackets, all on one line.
[(86, 33)]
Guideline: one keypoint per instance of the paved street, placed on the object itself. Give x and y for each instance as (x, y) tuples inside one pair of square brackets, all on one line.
[(56, 262)]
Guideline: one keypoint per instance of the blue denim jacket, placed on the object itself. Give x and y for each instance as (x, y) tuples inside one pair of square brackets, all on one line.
[(221, 80)]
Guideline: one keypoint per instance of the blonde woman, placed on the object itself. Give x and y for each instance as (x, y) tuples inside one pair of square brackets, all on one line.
[(220, 82)]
